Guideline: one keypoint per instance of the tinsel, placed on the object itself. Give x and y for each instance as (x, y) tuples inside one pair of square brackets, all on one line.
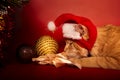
[(13, 3), (7, 22)]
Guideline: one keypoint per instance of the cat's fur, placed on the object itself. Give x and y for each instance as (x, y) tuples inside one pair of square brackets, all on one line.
[(106, 50)]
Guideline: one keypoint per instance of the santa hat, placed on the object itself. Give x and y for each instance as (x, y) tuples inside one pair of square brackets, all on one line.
[(56, 27)]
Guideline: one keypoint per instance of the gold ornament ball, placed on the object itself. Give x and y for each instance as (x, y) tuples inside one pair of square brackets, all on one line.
[(46, 45)]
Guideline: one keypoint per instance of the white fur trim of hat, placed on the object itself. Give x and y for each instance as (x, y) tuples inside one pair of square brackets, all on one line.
[(69, 31)]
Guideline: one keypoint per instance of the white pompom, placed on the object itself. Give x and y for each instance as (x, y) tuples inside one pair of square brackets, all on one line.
[(51, 26)]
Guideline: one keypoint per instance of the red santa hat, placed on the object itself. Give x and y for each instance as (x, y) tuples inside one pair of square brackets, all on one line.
[(56, 28)]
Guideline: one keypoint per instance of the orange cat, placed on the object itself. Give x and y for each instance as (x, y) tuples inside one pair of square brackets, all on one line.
[(106, 50), (104, 54)]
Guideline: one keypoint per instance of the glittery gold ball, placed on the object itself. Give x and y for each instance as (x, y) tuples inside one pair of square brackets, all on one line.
[(46, 45)]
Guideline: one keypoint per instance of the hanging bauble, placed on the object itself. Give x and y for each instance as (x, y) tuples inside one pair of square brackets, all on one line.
[(25, 53), (46, 45)]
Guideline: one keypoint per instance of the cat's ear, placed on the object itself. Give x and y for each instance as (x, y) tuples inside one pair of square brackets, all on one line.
[(85, 32)]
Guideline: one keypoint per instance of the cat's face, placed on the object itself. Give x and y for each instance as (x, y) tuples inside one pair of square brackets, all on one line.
[(73, 50)]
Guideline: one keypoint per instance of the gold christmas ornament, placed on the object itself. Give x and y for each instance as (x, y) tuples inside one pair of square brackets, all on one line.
[(46, 45)]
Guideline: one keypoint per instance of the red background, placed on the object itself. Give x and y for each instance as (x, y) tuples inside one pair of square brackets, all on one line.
[(32, 19), (32, 22)]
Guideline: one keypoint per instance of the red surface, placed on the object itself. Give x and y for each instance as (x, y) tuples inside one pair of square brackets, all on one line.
[(36, 72)]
